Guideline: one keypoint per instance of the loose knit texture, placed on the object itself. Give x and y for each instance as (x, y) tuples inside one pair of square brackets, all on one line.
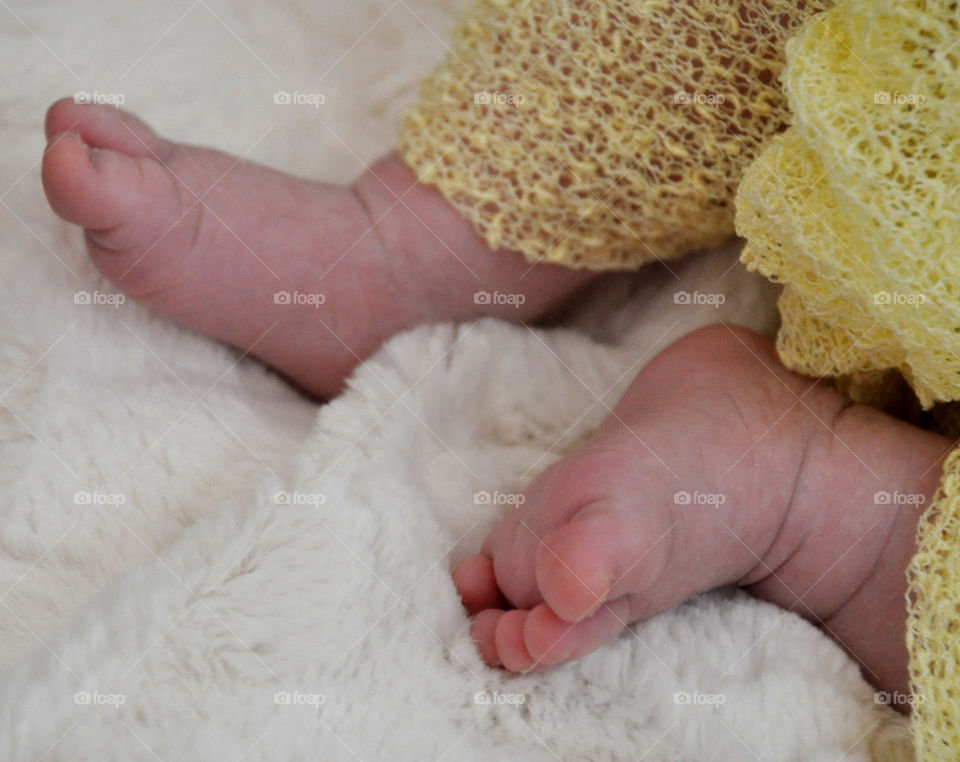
[(933, 625), (602, 133), (855, 209)]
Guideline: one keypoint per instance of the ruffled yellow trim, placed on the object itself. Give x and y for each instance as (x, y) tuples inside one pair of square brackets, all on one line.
[(855, 207)]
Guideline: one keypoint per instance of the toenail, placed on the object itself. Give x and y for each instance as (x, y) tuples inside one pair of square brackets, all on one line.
[(89, 149), (596, 606), (602, 600)]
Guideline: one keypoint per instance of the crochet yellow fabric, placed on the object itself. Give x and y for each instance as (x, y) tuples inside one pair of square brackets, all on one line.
[(602, 133), (933, 623), (855, 209)]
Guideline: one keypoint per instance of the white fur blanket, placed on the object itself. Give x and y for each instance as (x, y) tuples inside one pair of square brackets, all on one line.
[(158, 601)]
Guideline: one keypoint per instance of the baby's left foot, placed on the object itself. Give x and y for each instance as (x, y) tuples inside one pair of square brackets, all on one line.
[(310, 278), (717, 467)]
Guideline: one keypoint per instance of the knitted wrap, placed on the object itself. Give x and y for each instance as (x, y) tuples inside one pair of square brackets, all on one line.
[(602, 133), (856, 210), (933, 609)]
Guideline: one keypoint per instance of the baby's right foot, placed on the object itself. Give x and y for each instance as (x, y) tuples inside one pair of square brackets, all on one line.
[(717, 467), (216, 243)]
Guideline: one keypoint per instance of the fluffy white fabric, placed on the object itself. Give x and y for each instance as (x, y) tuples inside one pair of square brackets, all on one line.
[(202, 619)]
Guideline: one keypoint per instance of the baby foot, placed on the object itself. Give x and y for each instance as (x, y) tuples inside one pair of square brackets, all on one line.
[(717, 467), (214, 243)]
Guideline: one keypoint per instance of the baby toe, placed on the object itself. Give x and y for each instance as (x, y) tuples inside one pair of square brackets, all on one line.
[(605, 551), (550, 640), (510, 641), (477, 584), (484, 634), (105, 126), (94, 188)]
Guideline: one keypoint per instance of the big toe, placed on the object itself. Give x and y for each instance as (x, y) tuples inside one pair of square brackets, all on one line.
[(593, 528), (607, 550), (127, 204), (105, 126), (107, 171), (94, 188)]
